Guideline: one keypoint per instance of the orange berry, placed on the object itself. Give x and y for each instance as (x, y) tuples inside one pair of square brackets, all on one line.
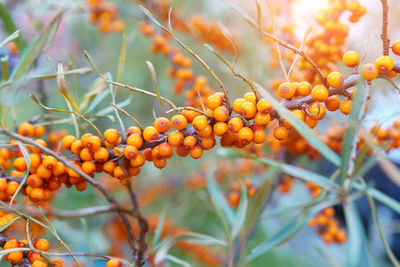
[(130, 152), (85, 138), (320, 93), (165, 150), (245, 135), (206, 132), (39, 263), (113, 263), (88, 167), (214, 101), (259, 136), (262, 118), (341, 236), (67, 141), (345, 106), (135, 140), (179, 122), (207, 142), (86, 155), (38, 131), (220, 128), (138, 161), (101, 155), (118, 172), (111, 136), (335, 79), (264, 106), (34, 181), (49, 162), (248, 110), (200, 122), (175, 138), (234, 198), (317, 111), (237, 105), (332, 103), (396, 48), (76, 147), (235, 124), (93, 143), (221, 113), (133, 130), (190, 115), (26, 129), (11, 243), (369, 72), (43, 172), (303, 89), (42, 244), (384, 64), (189, 141), (37, 194), (162, 124), (250, 97), (12, 187), (280, 133), (3, 184), (286, 90), (109, 166), (160, 163), (15, 257), (351, 59), (20, 164), (196, 152), (150, 133)]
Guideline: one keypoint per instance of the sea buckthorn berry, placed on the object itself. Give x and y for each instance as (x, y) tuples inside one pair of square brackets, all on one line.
[(150, 133), (286, 90), (49, 162), (196, 152), (12, 187), (280, 133), (3, 184), (264, 106), (220, 128), (332, 103), (396, 48), (175, 138), (76, 147), (206, 132), (130, 152), (345, 106), (81, 186), (182, 151), (200, 122), (235, 124), (88, 167), (147, 154), (221, 113), (43, 172), (42, 244), (85, 138), (160, 163), (38, 131), (190, 141), (20, 164), (113, 263), (384, 64), (59, 169), (248, 110), (37, 194), (369, 72), (15, 257), (67, 141), (133, 130), (165, 150), (86, 155), (190, 115), (303, 89), (335, 79), (26, 129), (162, 124), (214, 101), (262, 118), (320, 93), (245, 135), (317, 111), (351, 59), (11, 243), (138, 161), (33, 256), (135, 140), (234, 198), (259, 136), (237, 105), (34, 181), (341, 236), (179, 122), (111, 136), (250, 97), (298, 114), (39, 263), (207, 142), (101, 155), (109, 166), (93, 143), (118, 172)]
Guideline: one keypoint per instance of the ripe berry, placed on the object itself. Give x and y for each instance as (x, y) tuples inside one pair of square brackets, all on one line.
[(165, 150), (43, 172), (109, 166), (262, 118), (111, 136), (160, 163), (237, 105), (26, 129), (317, 111), (76, 147), (190, 115), (384, 64), (67, 141), (85, 138), (162, 124), (37, 194), (206, 132), (200, 122), (220, 128), (250, 97), (49, 162), (118, 172), (175, 138), (332, 103), (214, 101), (286, 90), (369, 72), (196, 152), (86, 155), (221, 113), (133, 130), (248, 110), (189, 141), (345, 106), (319, 93), (280, 133), (15, 257), (179, 122), (113, 263), (259, 136), (396, 48), (20, 164), (335, 79), (235, 124), (182, 151), (101, 155), (34, 181), (135, 140), (207, 142), (303, 89), (264, 106), (150, 133), (93, 143), (351, 59), (39, 131), (130, 152), (42, 244), (245, 135), (138, 161)]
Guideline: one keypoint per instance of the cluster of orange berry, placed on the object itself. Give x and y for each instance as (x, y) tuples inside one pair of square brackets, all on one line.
[(105, 15), (27, 258), (233, 196)]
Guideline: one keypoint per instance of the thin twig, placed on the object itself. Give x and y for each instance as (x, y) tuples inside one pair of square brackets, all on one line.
[(384, 35)]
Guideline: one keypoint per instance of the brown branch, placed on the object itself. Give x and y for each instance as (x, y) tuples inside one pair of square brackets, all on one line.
[(384, 35), (90, 180)]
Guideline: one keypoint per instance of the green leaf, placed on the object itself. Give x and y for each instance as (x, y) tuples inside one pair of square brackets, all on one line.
[(350, 137), (301, 127), (158, 231), (25, 154), (94, 95), (218, 198), (357, 243), (63, 89), (240, 214), (33, 50), (177, 260), (10, 27), (10, 38), (34, 98), (122, 56), (4, 226)]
